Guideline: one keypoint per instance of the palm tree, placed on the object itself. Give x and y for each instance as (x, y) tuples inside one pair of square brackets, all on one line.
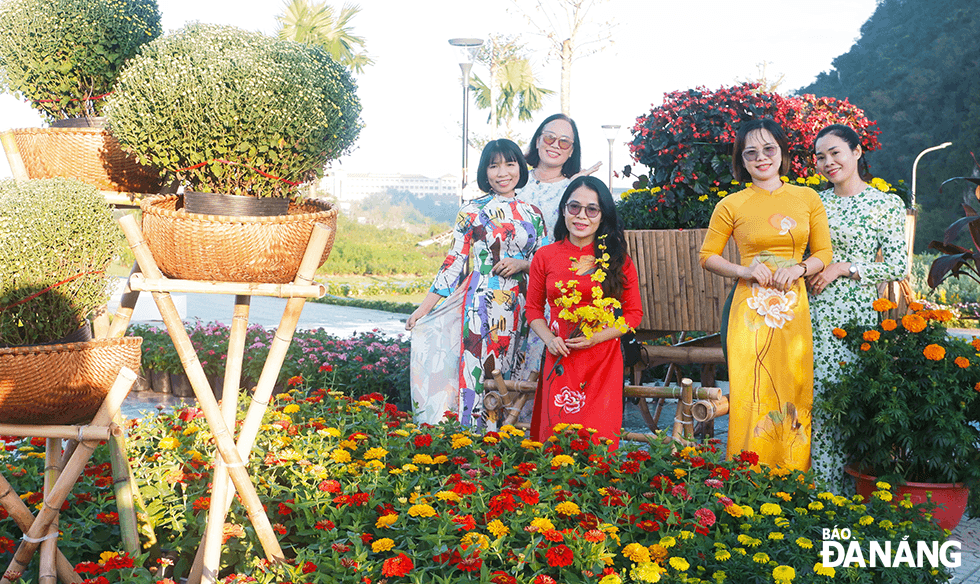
[(513, 89), (316, 24)]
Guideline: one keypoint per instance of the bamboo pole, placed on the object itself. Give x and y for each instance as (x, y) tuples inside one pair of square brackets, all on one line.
[(23, 517), (270, 373), (47, 565), (659, 355), (209, 552), (71, 470), (687, 400), (16, 161), (120, 322), (63, 432), (224, 440), (141, 283), (652, 391), (123, 486), (707, 409)]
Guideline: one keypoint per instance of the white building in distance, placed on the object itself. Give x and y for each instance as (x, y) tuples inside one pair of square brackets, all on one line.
[(354, 186)]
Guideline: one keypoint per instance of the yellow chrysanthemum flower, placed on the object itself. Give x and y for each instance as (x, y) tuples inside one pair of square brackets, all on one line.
[(611, 579), (823, 571), (636, 553), (646, 572), (386, 520), (376, 452), (497, 528), (542, 524), (562, 460), (771, 509), (567, 508), (723, 555), (804, 543), (290, 409), (783, 574), (866, 520), (668, 541), (679, 564), (421, 511), (169, 443), (761, 558), (448, 496), (340, 456), (383, 545)]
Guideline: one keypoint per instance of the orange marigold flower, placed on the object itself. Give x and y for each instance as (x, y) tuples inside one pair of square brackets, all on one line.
[(976, 387), (934, 352), (871, 336), (962, 362), (942, 315), (865, 347), (883, 304), (914, 323), (976, 343), (841, 333), (915, 306), (889, 325)]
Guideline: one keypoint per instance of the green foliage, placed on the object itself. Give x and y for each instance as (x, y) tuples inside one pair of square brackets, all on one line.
[(914, 70), (316, 24), (57, 238), (366, 249), (64, 55), (951, 292), (385, 305), (907, 408), (230, 111)]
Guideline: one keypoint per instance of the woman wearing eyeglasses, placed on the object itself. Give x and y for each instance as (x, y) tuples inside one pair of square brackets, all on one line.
[(499, 234), (769, 339), (555, 156), (863, 222), (582, 378)]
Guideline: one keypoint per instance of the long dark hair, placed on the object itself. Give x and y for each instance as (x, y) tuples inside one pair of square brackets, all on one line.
[(574, 162), (611, 227), (853, 141), (507, 150), (739, 171)]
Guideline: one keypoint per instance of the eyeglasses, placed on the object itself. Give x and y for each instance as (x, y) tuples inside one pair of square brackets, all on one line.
[(767, 151), (573, 209), (563, 142)]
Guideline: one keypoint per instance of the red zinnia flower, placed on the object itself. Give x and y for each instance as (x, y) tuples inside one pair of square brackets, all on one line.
[(309, 567), (500, 577), (560, 556), (397, 566), (706, 517)]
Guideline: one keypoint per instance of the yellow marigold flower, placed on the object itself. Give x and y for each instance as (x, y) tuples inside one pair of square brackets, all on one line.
[(734, 510), (611, 579), (530, 444), (332, 432), (376, 452), (448, 496), (169, 443), (889, 324), (839, 333), (865, 347), (348, 444), (779, 471), (567, 508), (560, 427), (668, 541), (866, 520), (658, 553), (783, 574), (703, 198), (383, 545), (761, 558), (871, 336), (770, 509), (784, 496), (776, 535), (386, 520), (490, 440), (885, 524), (883, 304), (541, 524), (475, 539), (461, 441), (781, 522), (290, 409), (826, 495), (823, 571), (719, 576), (685, 534), (440, 459), (723, 555), (934, 352), (885, 496), (740, 551), (815, 506), (680, 473), (914, 323), (421, 511), (562, 460), (722, 193), (636, 553), (747, 511), (409, 467), (962, 362), (422, 459), (804, 543), (679, 564), (883, 485), (374, 465), (646, 572), (497, 528), (340, 456)]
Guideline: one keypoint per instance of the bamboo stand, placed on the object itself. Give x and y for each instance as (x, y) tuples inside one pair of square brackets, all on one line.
[(61, 471), (230, 474)]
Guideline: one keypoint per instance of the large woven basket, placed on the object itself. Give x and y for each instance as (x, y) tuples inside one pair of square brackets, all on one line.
[(91, 155), (61, 384), (216, 248)]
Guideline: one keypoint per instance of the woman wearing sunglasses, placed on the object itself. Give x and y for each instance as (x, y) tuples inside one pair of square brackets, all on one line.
[(768, 334), (555, 156), (582, 378), (497, 234)]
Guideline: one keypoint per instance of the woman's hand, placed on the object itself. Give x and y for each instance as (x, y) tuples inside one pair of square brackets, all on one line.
[(556, 346), (579, 343), (759, 273), (509, 267), (414, 318), (785, 278), (587, 171), (819, 281), (426, 306)]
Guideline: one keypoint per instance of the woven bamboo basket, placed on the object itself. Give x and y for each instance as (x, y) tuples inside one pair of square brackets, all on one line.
[(216, 248), (61, 384), (91, 155)]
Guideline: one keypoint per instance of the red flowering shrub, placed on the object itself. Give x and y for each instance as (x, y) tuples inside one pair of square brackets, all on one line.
[(687, 143)]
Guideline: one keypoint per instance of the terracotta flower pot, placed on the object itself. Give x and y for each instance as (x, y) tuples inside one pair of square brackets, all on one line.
[(951, 498)]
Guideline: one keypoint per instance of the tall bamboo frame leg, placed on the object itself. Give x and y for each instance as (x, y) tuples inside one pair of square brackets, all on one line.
[(127, 303), (123, 487), (70, 471), (23, 517), (209, 552), (202, 390), (48, 570), (263, 392)]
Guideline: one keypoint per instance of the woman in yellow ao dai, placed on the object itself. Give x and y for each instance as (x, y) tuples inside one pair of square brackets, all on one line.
[(769, 338)]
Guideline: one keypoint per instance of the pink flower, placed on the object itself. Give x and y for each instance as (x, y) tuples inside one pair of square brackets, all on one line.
[(706, 517), (569, 401)]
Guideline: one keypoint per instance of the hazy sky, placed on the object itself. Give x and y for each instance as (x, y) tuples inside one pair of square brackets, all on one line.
[(412, 96)]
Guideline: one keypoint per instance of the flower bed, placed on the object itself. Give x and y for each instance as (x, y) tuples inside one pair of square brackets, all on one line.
[(357, 493)]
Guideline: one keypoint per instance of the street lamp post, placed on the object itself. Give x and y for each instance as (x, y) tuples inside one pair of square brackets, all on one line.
[(468, 49), (611, 131), (916, 164)]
